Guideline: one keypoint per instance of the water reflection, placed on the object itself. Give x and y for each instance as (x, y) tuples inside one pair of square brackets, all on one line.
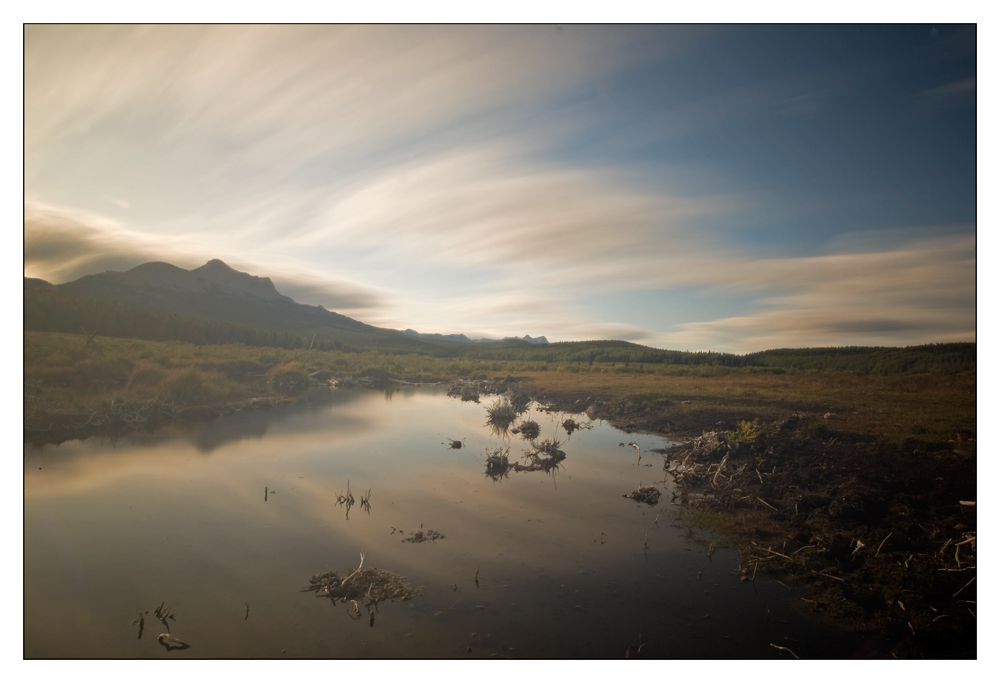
[(550, 572)]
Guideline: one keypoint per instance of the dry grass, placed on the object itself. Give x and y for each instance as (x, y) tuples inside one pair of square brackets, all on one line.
[(925, 407), (500, 415), (371, 585)]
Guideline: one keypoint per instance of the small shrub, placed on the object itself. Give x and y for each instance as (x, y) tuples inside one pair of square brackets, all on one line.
[(748, 431)]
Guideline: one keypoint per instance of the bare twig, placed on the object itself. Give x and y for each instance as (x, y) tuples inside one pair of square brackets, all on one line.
[(829, 576), (767, 504), (955, 594), (882, 544), (363, 553), (774, 552), (779, 647)]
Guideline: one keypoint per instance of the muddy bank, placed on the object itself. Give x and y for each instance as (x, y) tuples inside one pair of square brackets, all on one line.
[(882, 534)]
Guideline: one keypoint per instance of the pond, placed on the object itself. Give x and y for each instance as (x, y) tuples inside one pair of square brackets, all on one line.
[(535, 564)]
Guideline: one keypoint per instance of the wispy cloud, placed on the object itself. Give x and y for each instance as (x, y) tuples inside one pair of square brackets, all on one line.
[(949, 94), (917, 293), (482, 206)]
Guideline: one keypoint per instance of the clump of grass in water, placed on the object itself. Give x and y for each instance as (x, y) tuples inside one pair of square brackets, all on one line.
[(548, 448), (571, 425), (545, 456), (500, 415), (529, 430), (497, 463)]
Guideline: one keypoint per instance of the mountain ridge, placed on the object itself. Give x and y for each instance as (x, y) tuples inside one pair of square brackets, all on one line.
[(218, 291)]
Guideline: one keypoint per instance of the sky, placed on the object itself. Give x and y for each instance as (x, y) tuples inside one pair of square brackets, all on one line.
[(733, 188)]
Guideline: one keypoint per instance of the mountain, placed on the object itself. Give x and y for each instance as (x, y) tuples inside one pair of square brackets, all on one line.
[(217, 293), (216, 304), (431, 335), (465, 340), (534, 340), (249, 306)]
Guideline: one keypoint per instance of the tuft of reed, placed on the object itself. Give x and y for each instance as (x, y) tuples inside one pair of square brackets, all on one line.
[(500, 415)]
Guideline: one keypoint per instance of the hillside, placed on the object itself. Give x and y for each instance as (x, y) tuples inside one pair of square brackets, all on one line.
[(216, 304), (210, 304)]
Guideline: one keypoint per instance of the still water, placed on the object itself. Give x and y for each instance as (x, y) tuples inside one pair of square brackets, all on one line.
[(115, 527)]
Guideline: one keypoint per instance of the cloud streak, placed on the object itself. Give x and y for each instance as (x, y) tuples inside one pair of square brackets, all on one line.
[(489, 180), (63, 245)]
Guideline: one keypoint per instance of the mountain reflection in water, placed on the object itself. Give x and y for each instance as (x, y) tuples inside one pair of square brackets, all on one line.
[(533, 564)]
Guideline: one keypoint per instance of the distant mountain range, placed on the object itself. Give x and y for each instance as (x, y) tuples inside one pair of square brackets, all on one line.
[(482, 340), (217, 292)]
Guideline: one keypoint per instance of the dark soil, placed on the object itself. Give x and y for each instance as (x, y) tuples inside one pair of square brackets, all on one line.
[(875, 530)]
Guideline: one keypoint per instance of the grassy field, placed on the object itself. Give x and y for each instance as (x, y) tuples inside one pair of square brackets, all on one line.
[(895, 407), (63, 373)]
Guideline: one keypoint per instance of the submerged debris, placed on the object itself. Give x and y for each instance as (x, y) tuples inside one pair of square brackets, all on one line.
[(454, 443), (371, 586), (645, 494), (423, 536)]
